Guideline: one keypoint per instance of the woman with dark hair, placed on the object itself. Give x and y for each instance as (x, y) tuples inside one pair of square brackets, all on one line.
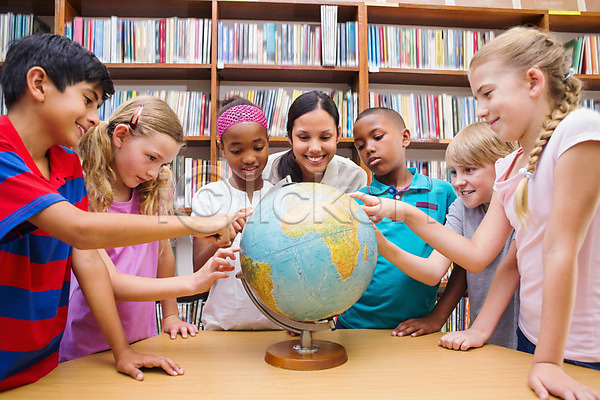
[(313, 132)]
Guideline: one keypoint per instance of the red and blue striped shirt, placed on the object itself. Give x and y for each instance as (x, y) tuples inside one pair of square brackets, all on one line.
[(35, 268)]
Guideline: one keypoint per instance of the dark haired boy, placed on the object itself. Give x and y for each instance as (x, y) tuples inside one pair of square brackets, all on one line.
[(52, 89), (381, 138)]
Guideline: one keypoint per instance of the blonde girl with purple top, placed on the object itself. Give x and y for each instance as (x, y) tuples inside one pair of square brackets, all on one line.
[(125, 161)]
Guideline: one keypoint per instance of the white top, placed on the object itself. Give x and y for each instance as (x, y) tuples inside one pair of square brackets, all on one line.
[(341, 173), (583, 343), (228, 306)]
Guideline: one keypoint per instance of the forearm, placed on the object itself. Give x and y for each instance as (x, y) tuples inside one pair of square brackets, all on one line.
[(565, 234), (95, 284), (427, 270), (454, 246), (107, 230), (558, 298), (137, 288), (169, 308), (454, 291), (85, 230), (203, 251)]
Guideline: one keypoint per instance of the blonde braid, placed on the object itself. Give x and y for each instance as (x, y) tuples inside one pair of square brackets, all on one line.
[(569, 103)]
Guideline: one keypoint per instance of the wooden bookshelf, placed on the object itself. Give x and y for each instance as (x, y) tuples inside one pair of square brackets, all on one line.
[(357, 78), (360, 78), (587, 22), (288, 73), (419, 77), (37, 7), (130, 8), (155, 71), (453, 17)]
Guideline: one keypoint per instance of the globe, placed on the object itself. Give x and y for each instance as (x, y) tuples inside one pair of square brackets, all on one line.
[(308, 251)]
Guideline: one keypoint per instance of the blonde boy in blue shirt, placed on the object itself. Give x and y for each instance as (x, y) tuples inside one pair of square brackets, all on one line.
[(381, 138)]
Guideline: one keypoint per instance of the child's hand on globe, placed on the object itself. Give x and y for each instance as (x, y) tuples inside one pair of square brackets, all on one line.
[(378, 208)]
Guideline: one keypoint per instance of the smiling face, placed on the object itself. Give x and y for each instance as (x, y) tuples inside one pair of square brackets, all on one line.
[(504, 100), (72, 112), (474, 184), (138, 159), (314, 143), (245, 146), (381, 146)]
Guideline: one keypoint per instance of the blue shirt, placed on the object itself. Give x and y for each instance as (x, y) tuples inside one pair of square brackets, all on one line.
[(392, 296)]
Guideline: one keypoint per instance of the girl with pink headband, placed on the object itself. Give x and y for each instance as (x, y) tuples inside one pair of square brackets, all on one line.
[(244, 142)]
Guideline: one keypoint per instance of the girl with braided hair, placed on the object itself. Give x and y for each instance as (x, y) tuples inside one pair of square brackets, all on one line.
[(547, 190)]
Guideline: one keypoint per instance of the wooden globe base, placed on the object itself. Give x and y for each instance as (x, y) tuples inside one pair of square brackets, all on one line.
[(328, 355)]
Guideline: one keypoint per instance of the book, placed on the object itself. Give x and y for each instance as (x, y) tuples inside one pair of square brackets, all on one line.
[(328, 34)]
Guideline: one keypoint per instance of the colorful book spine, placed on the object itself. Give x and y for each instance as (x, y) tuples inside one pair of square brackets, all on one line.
[(392, 46), (429, 116), (15, 26), (275, 103), (144, 40)]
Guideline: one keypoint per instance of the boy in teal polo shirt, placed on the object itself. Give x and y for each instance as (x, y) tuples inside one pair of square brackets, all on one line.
[(381, 138)]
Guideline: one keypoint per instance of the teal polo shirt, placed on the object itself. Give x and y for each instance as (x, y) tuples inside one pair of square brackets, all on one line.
[(392, 296)]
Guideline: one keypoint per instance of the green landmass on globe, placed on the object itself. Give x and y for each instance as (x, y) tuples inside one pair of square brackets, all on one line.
[(308, 252)]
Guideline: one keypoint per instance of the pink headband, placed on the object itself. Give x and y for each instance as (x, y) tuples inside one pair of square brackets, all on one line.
[(241, 113)]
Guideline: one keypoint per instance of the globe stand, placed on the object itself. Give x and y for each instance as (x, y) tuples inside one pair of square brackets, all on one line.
[(303, 354)]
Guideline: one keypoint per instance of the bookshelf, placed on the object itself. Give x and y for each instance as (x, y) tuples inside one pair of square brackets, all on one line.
[(289, 76), (37, 7), (217, 77), (360, 78)]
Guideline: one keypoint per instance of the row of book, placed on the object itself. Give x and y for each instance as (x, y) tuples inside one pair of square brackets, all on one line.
[(15, 26), (144, 40), (429, 116), (192, 107), (459, 318), (592, 104), (392, 46), (190, 312), (188, 40), (281, 43), (585, 54), (432, 168), (438, 116), (190, 174), (275, 103)]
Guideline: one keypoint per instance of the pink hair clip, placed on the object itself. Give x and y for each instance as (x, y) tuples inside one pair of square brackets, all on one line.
[(135, 118)]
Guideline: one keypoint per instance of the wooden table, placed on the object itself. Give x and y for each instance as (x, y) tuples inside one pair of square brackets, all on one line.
[(230, 365)]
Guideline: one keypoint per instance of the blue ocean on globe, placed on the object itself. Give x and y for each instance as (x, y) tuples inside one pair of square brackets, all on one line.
[(308, 251)]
